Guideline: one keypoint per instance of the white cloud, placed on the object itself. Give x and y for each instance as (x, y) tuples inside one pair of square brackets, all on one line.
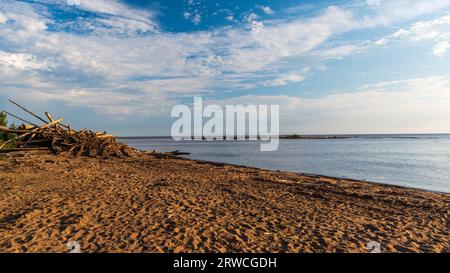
[(288, 105), (339, 51), (250, 17), (117, 16), (436, 30), (266, 9), (21, 61), (3, 18), (197, 19), (373, 2), (393, 11), (230, 18), (265, 44), (440, 48), (26, 22), (74, 2), (409, 106), (301, 8), (284, 79), (114, 7), (194, 11), (115, 60)]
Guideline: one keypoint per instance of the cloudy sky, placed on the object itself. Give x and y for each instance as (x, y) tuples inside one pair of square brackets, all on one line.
[(357, 66)]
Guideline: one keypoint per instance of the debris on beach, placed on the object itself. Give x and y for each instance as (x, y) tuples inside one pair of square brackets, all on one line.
[(54, 136), (166, 154)]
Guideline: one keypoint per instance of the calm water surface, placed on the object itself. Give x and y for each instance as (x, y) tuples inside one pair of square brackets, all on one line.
[(419, 161)]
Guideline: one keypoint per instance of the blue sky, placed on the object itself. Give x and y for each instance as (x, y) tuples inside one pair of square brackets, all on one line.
[(361, 66)]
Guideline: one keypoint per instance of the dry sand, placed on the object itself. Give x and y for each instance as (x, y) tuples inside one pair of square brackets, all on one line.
[(148, 204)]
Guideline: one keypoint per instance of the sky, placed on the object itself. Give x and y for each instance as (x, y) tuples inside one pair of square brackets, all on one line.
[(334, 67)]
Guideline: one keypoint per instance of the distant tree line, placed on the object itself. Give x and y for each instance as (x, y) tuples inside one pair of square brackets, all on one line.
[(4, 123)]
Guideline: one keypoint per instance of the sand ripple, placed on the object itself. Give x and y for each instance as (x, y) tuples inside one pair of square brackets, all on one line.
[(172, 205)]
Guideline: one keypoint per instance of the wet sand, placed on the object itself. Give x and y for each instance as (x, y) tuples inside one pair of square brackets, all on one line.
[(150, 204)]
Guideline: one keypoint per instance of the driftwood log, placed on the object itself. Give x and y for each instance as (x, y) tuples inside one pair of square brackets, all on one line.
[(59, 138)]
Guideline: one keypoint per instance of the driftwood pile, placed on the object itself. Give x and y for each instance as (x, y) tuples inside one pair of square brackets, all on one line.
[(59, 138)]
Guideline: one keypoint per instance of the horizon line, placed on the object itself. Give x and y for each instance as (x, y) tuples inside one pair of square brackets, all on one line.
[(305, 135)]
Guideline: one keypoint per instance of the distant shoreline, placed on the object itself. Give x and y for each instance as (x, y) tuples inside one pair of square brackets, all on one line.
[(313, 137)]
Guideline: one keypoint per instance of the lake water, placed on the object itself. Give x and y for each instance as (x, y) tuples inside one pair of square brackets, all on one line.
[(418, 161)]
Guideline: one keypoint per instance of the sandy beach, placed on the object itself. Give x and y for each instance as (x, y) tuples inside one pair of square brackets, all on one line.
[(150, 204)]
